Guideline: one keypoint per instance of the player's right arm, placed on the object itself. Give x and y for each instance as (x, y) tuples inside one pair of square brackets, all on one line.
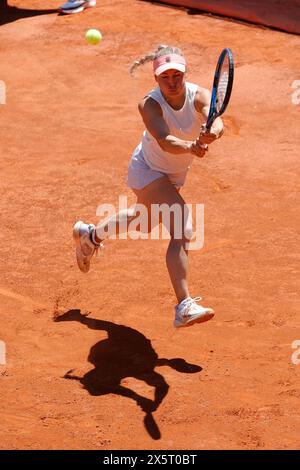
[(152, 115)]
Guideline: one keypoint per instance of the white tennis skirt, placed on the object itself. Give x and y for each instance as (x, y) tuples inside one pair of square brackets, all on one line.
[(140, 174)]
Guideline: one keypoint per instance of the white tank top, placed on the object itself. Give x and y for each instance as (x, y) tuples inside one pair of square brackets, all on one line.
[(184, 123)]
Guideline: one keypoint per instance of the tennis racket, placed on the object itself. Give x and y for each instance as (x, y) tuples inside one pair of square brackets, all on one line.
[(222, 86)]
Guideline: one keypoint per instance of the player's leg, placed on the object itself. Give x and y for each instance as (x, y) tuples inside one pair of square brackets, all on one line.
[(115, 225), (161, 191), (89, 238)]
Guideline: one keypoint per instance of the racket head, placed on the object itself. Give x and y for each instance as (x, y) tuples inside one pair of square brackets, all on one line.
[(222, 86)]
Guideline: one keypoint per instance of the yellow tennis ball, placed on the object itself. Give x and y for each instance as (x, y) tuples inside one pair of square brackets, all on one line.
[(93, 36)]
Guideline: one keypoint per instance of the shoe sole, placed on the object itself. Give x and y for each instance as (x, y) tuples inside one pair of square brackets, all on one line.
[(76, 236), (76, 232), (77, 10), (203, 318)]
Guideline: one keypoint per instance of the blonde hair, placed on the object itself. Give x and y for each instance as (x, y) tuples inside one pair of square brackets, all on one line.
[(161, 50)]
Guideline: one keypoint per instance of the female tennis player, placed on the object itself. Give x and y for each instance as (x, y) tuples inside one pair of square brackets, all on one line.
[(174, 115)]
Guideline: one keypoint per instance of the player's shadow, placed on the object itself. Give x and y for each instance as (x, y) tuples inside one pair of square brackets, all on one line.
[(8, 13), (125, 353)]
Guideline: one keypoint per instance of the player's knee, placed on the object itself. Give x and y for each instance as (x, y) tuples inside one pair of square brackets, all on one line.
[(130, 214), (183, 232), (188, 232)]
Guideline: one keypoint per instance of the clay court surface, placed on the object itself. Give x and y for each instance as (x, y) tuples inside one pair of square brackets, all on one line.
[(67, 132)]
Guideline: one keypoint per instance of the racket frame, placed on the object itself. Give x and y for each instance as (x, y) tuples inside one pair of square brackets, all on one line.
[(213, 112)]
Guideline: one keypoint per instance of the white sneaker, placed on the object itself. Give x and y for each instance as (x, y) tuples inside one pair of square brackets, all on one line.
[(85, 248), (189, 312), (76, 6)]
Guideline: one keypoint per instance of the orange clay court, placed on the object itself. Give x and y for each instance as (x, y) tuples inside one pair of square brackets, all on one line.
[(116, 374)]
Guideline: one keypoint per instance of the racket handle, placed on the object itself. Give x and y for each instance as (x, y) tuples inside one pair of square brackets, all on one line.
[(209, 124)]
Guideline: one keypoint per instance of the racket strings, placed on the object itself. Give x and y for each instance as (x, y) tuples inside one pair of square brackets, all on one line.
[(222, 85)]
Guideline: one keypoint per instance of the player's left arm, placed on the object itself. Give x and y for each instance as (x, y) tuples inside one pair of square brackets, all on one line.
[(202, 105)]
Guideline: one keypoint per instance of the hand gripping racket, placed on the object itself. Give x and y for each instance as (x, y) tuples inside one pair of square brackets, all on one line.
[(222, 87)]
